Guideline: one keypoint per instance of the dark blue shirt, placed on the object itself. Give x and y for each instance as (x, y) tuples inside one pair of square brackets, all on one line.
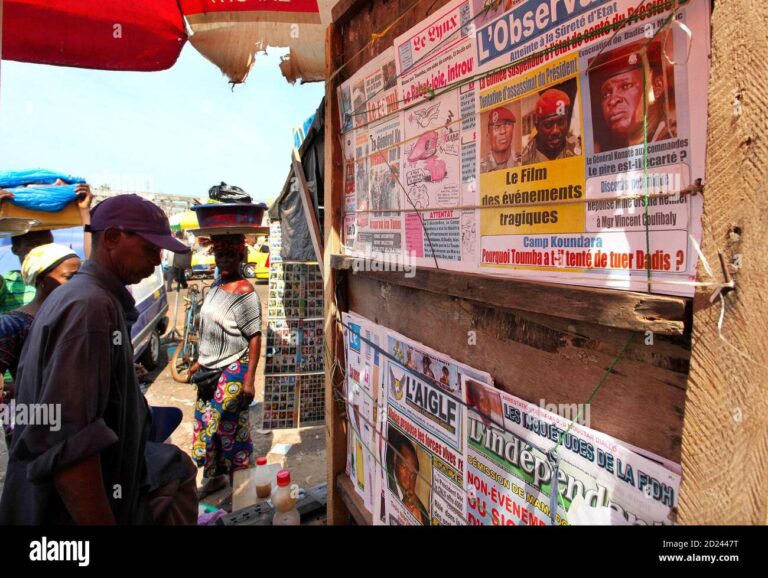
[(78, 354)]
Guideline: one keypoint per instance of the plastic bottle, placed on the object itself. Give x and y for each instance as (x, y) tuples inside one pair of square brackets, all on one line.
[(283, 501), (262, 479)]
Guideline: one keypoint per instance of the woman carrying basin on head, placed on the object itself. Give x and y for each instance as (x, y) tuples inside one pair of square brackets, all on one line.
[(230, 342)]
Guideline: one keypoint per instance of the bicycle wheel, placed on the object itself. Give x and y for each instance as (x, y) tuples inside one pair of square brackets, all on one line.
[(183, 358), (186, 351)]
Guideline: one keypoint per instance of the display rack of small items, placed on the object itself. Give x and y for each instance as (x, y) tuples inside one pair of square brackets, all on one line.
[(275, 242), (295, 342), (293, 300), (311, 342), (312, 399), (276, 303), (282, 346), (280, 401), (313, 292)]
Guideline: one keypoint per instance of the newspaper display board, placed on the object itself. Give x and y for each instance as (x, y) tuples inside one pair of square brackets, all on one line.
[(552, 141), (361, 392), (440, 138), (414, 396), (369, 105), (432, 443), (601, 480), (574, 203), (424, 458)]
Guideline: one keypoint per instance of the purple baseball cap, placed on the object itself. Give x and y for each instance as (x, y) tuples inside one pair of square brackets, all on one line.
[(137, 215)]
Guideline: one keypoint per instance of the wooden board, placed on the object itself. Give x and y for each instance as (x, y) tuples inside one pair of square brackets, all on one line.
[(725, 438), (624, 309), (336, 441), (45, 220), (538, 357), (361, 19), (345, 9), (308, 206)]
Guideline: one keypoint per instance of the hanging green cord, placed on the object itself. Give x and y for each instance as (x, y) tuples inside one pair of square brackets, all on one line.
[(597, 388), (554, 484)]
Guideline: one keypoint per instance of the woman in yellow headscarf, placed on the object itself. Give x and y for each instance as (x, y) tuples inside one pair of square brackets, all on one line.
[(45, 268)]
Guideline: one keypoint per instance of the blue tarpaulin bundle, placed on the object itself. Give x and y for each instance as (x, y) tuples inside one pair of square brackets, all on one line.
[(9, 179), (29, 190)]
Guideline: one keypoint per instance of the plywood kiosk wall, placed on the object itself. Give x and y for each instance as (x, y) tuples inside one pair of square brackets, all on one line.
[(544, 341), (725, 433)]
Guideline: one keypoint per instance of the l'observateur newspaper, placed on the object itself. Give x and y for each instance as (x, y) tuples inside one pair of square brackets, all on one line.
[(541, 139)]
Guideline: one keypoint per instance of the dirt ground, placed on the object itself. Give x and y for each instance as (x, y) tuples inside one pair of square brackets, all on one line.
[(302, 450)]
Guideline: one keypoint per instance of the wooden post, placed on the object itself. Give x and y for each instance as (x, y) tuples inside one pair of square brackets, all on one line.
[(336, 440), (725, 432)]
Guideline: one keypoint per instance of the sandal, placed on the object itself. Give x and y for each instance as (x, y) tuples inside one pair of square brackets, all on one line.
[(211, 487)]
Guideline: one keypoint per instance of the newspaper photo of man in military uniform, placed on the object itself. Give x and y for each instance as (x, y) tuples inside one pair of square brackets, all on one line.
[(616, 88), (553, 118), (501, 141)]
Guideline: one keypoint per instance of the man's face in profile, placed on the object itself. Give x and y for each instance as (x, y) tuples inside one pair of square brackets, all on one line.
[(501, 135), (550, 135), (136, 258), (406, 469), (622, 102)]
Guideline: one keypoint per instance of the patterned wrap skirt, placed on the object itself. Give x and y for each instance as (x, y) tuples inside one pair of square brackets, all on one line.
[(222, 438)]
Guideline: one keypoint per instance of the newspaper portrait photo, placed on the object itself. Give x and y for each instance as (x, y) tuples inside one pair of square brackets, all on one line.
[(617, 85), (409, 474), (501, 139), (550, 124)]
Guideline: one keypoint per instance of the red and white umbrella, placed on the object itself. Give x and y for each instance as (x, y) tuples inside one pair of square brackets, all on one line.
[(139, 35), (148, 35)]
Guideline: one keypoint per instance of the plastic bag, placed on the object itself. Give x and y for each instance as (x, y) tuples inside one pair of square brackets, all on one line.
[(228, 194), (50, 199), (9, 179)]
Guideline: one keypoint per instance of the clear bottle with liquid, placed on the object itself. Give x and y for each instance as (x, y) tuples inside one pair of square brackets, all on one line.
[(284, 502), (262, 479)]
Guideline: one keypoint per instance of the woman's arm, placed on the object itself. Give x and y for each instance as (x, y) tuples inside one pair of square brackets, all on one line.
[(254, 350), (192, 370), (84, 205)]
